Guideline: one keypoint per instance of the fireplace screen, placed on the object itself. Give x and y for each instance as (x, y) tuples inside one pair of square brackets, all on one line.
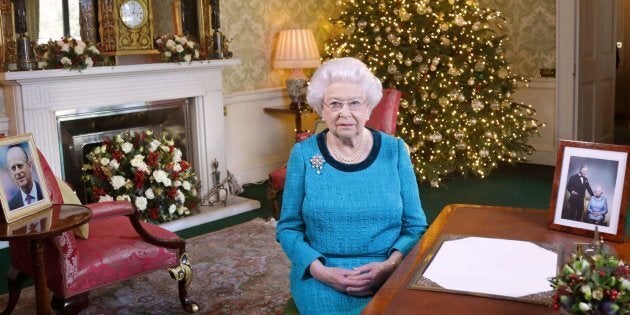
[(80, 131)]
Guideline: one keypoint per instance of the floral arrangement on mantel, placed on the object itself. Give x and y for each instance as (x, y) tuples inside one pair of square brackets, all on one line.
[(597, 284), (146, 170), (177, 48), (69, 53)]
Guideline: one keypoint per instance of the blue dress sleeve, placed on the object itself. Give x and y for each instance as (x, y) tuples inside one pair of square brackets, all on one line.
[(414, 221), (290, 231)]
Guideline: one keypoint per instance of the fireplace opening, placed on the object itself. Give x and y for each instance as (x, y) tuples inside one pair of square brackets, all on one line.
[(82, 130)]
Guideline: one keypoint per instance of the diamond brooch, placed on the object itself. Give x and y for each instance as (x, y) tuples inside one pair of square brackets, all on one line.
[(317, 162)]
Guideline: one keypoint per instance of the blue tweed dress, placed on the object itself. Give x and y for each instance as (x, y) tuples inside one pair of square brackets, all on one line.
[(346, 216)]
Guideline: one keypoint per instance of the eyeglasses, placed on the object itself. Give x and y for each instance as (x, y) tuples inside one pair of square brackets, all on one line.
[(336, 105)]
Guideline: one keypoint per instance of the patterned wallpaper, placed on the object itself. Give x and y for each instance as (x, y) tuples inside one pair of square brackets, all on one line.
[(532, 25), (253, 26)]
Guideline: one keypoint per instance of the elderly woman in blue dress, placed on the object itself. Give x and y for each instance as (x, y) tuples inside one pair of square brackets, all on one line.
[(597, 207), (351, 208)]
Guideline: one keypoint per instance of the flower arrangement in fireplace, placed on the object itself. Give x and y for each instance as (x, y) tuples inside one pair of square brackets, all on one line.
[(69, 53), (146, 170), (177, 48)]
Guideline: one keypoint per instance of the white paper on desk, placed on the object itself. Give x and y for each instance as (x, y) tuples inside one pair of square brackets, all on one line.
[(493, 266)]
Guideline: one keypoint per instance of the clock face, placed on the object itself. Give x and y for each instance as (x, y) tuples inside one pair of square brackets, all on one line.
[(132, 13)]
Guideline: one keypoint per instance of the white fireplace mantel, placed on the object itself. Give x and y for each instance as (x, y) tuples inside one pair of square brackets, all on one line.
[(33, 98)]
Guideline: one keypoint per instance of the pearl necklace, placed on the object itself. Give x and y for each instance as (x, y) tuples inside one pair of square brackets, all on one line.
[(355, 155)]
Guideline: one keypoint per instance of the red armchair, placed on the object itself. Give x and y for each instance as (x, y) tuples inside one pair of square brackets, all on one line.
[(119, 247), (382, 118)]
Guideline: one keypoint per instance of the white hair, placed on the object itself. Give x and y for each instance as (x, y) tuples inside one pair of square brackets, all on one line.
[(343, 70)]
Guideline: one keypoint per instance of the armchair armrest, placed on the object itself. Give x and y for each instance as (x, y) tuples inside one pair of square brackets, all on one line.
[(109, 209)]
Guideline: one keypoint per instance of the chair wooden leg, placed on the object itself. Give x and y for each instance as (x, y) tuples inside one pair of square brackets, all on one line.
[(15, 280), (183, 274), (72, 305)]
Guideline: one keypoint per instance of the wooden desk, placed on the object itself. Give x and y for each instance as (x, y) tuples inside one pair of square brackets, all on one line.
[(293, 110), (50, 223), (487, 221)]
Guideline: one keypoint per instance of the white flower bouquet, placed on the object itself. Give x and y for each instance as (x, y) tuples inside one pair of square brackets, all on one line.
[(69, 53), (176, 48), (145, 170)]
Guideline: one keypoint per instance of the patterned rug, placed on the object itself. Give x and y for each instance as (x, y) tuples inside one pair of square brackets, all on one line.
[(237, 270)]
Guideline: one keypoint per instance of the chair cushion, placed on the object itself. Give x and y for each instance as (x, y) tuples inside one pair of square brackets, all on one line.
[(277, 178), (116, 252), (69, 197)]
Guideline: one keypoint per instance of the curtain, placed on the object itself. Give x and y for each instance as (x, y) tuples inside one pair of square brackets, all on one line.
[(32, 16)]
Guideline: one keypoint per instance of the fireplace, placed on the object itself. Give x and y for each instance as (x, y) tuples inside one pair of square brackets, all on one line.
[(82, 130), (37, 100)]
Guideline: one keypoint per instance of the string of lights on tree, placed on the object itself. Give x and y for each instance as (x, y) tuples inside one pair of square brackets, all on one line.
[(447, 59)]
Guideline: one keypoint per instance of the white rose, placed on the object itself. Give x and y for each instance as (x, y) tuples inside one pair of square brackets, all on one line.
[(170, 43), (127, 147), (149, 194), (165, 148), (177, 183), (167, 182), (167, 54), (137, 159), (141, 203), (65, 47), (159, 175), (181, 210), (154, 145), (94, 50), (79, 50), (80, 43), (180, 196), (105, 161), (97, 150), (187, 57), (172, 208), (119, 139), (177, 167), (104, 148), (114, 164), (105, 198), (191, 44), (177, 155), (65, 61), (117, 181), (196, 54), (186, 185), (89, 62), (158, 41), (179, 48)]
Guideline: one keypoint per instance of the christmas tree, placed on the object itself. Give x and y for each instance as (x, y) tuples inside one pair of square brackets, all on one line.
[(447, 59)]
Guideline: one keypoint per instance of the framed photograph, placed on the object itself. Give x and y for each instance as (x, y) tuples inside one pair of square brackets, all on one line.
[(590, 189), (22, 185)]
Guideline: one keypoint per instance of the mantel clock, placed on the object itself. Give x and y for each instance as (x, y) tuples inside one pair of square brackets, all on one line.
[(126, 27)]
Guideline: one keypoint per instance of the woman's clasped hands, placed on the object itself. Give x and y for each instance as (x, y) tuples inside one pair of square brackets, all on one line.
[(360, 281)]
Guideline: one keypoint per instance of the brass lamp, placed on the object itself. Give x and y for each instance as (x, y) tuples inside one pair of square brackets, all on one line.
[(296, 50)]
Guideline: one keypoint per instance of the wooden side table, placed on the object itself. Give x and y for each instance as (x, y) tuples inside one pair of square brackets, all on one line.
[(40, 226), (293, 110)]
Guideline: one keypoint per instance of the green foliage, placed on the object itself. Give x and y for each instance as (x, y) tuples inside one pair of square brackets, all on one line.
[(447, 58)]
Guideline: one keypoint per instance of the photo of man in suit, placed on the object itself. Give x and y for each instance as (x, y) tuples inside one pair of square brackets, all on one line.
[(21, 171), (577, 186)]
